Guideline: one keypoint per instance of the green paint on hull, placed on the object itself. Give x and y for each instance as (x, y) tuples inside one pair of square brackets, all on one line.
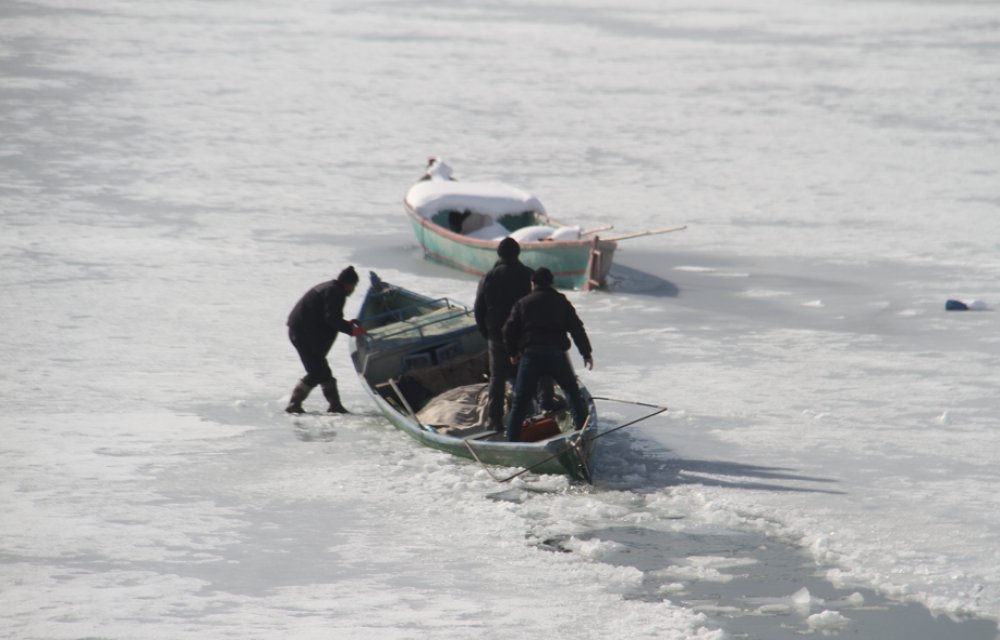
[(569, 261)]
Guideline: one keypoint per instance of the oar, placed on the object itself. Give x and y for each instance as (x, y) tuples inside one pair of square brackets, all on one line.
[(648, 232), (658, 411)]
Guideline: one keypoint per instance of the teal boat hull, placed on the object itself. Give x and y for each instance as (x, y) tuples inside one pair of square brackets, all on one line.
[(576, 264)]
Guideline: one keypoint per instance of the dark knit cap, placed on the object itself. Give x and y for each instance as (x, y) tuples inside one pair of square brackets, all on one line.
[(542, 276), (508, 248), (348, 276)]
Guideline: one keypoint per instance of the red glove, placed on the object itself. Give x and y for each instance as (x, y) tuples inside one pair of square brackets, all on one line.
[(357, 329)]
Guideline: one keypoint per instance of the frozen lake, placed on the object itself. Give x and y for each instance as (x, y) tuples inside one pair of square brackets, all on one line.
[(173, 176)]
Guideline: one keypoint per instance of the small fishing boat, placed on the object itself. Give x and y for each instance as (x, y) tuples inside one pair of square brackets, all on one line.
[(460, 224), (424, 363)]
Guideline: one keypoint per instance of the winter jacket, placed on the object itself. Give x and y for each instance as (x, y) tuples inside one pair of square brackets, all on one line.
[(542, 319), (319, 314), (506, 283)]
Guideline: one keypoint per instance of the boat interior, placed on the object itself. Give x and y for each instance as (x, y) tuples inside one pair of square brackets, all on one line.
[(469, 221), (428, 360)]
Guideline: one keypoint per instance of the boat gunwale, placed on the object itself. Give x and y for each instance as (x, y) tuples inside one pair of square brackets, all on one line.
[(374, 337), (481, 243)]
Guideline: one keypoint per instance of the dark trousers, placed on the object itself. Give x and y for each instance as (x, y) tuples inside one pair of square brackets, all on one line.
[(535, 363), (312, 353), (501, 370)]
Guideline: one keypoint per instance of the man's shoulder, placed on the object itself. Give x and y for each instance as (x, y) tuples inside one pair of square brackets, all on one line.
[(523, 268), (329, 288), (509, 271), (555, 297), (527, 300), (541, 296)]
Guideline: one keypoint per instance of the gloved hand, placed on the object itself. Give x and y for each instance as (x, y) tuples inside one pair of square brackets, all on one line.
[(357, 329), (589, 362)]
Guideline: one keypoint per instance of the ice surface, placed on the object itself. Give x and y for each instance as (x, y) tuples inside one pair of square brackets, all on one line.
[(175, 175)]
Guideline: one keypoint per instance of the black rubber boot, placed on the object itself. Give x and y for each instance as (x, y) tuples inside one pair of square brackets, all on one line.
[(333, 397), (299, 394)]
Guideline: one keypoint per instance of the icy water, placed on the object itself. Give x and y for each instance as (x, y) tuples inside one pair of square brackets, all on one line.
[(747, 593), (753, 586), (173, 176)]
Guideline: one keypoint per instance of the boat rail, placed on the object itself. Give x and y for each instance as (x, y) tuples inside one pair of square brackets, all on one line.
[(408, 323)]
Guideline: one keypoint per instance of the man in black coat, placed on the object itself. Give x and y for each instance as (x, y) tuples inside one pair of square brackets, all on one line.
[(535, 336), (313, 326), (508, 281)]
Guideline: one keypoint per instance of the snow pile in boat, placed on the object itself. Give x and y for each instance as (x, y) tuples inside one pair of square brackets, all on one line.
[(495, 199), (534, 233), (438, 192), (538, 233)]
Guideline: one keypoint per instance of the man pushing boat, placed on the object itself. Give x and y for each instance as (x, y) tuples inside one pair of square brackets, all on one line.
[(313, 326)]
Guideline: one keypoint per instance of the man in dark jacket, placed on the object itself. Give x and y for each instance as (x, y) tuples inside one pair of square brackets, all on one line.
[(313, 326), (506, 283), (535, 336)]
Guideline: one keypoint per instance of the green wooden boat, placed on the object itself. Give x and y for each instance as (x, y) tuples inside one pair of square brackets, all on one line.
[(460, 224), (424, 362)]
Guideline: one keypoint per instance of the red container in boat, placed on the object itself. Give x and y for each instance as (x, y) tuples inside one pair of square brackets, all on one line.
[(539, 429)]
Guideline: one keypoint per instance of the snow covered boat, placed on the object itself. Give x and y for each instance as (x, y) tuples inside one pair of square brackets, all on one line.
[(460, 224), (424, 363)]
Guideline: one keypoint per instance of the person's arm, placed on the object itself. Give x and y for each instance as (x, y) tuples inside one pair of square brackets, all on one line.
[(333, 311), (479, 308), (579, 335), (512, 333)]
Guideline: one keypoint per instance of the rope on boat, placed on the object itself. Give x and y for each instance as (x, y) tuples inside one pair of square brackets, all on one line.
[(576, 441)]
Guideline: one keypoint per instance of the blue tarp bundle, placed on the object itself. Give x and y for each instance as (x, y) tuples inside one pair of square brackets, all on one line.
[(955, 305)]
